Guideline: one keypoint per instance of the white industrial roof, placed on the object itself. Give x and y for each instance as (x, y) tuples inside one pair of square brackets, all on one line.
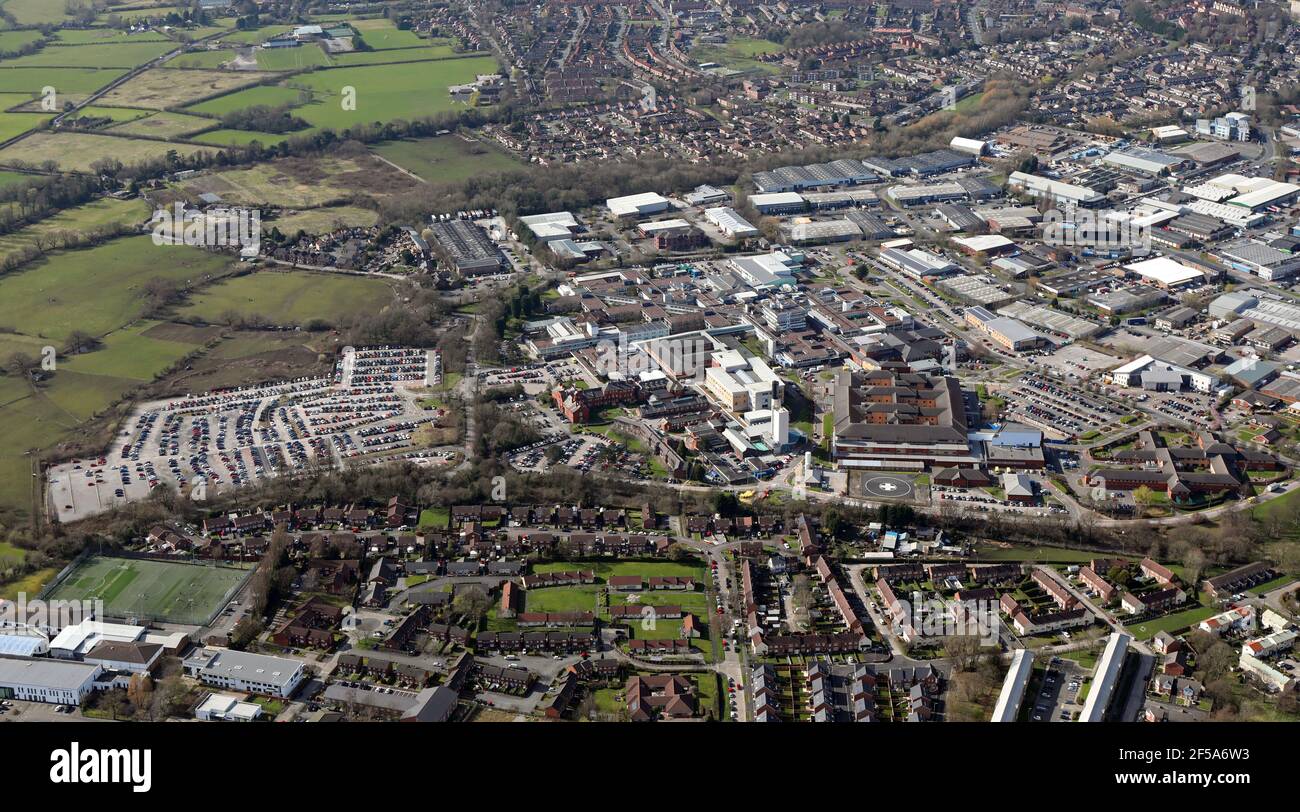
[(22, 645), (983, 242), (1165, 271), (776, 199), (83, 636), (632, 204)]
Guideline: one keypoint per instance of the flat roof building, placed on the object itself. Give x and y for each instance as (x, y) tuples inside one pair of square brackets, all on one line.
[(1105, 678), (639, 205), (1013, 686)]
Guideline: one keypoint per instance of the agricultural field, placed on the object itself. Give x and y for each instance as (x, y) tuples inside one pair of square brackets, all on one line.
[(168, 591), (227, 138), (36, 12), (291, 298), (70, 83), (268, 95), (132, 353), (164, 125), (8, 178), (299, 183), (96, 290), (162, 88), (81, 219), (13, 124), (388, 92), (13, 40), (83, 36), (77, 151), (448, 158), (118, 114), (204, 59), (292, 59), (113, 55), (318, 221)]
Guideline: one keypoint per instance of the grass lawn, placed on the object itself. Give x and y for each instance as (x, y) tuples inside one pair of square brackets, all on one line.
[(448, 158), (435, 517), (1173, 622), (739, 54), (581, 598), (289, 298)]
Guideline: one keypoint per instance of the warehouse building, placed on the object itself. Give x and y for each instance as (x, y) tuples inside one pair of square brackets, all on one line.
[(917, 263), (970, 146), (1201, 226), (1147, 161), (1166, 273), (1041, 187), (1261, 259), (466, 248), (641, 205), (730, 223), (779, 203), (559, 225), (824, 231), (1053, 321), (1010, 333)]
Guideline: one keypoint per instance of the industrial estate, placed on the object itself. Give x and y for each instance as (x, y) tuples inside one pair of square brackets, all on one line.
[(636, 361)]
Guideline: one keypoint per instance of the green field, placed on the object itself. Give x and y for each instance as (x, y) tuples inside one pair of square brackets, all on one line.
[(164, 125), (289, 298), (171, 592), (130, 354), (12, 124), (96, 290), (77, 151), (268, 95), (13, 40), (36, 12), (67, 81), (387, 92), (81, 219), (739, 54), (448, 158), (112, 55), (285, 59), (226, 138), (82, 36)]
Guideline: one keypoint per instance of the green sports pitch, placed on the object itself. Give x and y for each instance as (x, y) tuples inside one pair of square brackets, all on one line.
[(165, 591)]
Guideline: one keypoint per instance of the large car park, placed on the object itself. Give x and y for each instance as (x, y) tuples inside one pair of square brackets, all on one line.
[(234, 438)]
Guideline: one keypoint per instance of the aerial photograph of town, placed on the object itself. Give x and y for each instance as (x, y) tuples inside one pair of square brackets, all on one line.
[(645, 361)]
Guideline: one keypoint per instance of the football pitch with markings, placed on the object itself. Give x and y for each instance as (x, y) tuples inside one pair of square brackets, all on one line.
[(171, 592)]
